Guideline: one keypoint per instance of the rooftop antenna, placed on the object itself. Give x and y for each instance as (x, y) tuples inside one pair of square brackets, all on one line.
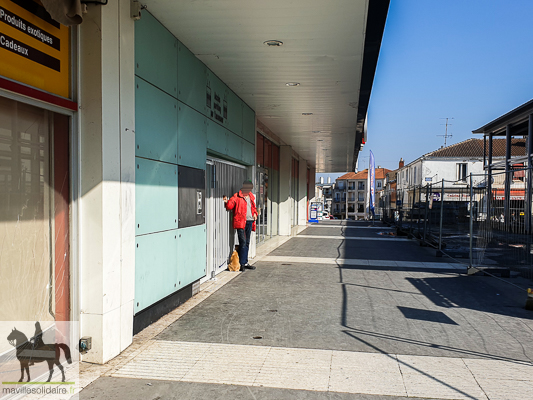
[(446, 135)]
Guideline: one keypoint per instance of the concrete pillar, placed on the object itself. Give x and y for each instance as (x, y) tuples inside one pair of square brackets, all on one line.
[(312, 186), (302, 193), (107, 179), (285, 181)]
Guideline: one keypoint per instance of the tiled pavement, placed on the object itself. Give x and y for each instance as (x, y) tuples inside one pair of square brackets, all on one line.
[(323, 317)]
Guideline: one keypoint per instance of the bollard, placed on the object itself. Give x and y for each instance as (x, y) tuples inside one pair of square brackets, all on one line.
[(529, 301)]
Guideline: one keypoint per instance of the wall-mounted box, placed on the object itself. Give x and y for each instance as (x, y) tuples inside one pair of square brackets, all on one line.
[(191, 189)]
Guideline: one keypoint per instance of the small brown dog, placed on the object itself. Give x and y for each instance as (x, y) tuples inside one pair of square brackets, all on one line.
[(234, 264)]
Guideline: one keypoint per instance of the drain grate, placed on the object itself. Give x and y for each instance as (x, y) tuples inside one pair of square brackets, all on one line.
[(286, 264), (257, 337), (272, 310)]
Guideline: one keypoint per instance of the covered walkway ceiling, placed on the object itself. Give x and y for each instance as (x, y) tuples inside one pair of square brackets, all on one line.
[(323, 50)]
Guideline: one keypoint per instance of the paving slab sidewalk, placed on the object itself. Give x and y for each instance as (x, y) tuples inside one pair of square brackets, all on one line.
[(447, 335)]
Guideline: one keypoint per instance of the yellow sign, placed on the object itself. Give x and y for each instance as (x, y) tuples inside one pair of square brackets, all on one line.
[(34, 49)]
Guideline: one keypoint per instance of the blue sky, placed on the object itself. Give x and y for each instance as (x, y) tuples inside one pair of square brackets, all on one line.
[(467, 60)]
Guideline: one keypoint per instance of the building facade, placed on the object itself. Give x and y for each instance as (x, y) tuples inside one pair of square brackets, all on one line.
[(351, 192), (119, 138), (453, 165)]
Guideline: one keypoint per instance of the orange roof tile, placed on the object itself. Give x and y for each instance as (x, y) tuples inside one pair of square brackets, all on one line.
[(380, 174)]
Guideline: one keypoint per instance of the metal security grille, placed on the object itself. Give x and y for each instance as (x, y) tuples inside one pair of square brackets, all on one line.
[(222, 179)]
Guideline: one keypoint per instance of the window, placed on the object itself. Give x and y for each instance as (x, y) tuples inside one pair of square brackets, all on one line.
[(337, 196), (360, 208), (414, 177), (378, 184), (361, 186), (461, 172), (361, 196), (34, 213)]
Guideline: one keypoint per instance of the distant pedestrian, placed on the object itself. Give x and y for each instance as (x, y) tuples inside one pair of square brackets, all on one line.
[(244, 216)]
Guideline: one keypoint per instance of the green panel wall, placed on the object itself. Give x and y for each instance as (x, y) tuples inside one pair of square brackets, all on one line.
[(156, 123), (192, 137), (217, 138), (192, 80), (220, 89), (234, 121), (156, 196), (176, 126), (248, 123), (248, 153), (192, 250), (156, 54), (234, 146), (156, 268)]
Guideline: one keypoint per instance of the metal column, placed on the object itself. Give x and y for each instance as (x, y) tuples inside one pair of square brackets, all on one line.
[(529, 194), (426, 213), (507, 193), (471, 221), (489, 180), (441, 215)]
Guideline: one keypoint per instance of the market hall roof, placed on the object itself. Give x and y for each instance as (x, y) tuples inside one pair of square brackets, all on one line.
[(517, 119)]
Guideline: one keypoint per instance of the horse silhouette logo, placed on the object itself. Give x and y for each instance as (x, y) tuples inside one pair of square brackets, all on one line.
[(35, 350)]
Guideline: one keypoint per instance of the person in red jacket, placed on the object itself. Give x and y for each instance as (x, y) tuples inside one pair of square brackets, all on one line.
[(244, 217)]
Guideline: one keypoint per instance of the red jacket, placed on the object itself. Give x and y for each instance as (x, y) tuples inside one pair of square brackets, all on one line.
[(237, 203)]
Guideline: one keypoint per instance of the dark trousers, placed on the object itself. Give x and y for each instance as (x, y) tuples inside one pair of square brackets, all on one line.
[(244, 242)]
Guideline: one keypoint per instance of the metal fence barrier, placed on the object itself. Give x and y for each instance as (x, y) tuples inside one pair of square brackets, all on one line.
[(471, 220)]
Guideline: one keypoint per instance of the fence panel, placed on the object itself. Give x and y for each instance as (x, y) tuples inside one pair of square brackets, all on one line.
[(471, 220)]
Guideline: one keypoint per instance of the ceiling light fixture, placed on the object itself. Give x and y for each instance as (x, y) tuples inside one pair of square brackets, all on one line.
[(292, 84), (273, 43)]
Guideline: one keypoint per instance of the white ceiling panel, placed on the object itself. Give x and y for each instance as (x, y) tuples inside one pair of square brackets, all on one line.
[(323, 44)]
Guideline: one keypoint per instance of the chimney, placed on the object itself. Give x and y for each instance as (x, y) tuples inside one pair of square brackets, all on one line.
[(329, 179), (321, 180), (401, 164)]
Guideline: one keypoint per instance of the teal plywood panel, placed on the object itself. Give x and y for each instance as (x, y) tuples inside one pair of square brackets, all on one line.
[(248, 123), (217, 138), (234, 120), (156, 123), (192, 254), (219, 96), (248, 153), (156, 54), (192, 80), (156, 196), (234, 146), (156, 268), (192, 137)]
